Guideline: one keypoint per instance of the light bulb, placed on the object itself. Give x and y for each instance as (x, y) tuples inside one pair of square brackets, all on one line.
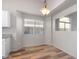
[(45, 11)]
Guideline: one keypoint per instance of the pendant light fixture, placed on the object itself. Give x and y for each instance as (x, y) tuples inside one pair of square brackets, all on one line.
[(45, 10)]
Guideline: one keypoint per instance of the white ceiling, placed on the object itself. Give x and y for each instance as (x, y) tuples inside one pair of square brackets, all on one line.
[(30, 6)]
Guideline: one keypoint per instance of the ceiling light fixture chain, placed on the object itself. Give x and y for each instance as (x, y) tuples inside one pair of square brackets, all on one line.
[(45, 4)]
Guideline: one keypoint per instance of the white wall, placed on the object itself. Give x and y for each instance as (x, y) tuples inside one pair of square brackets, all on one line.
[(17, 31), (65, 40), (30, 40), (48, 30)]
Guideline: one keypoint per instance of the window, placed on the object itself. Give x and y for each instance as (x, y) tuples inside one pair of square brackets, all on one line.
[(32, 26), (28, 26), (63, 24), (39, 27)]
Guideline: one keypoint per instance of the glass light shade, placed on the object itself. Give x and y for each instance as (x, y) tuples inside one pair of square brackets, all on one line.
[(45, 11)]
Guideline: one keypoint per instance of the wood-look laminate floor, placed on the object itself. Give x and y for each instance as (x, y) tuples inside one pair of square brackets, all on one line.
[(40, 52)]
